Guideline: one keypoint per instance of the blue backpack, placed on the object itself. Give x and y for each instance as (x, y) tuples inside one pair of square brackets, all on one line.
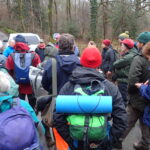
[(22, 63), (17, 129)]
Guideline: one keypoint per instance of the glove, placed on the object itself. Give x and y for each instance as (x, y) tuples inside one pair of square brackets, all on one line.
[(42, 102)]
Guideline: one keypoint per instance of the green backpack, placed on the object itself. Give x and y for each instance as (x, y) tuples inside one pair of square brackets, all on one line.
[(90, 126)]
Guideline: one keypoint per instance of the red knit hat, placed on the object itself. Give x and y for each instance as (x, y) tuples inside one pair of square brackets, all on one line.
[(128, 43), (91, 58), (106, 42)]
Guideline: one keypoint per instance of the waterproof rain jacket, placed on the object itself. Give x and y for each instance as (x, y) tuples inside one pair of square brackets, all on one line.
[(122, 66), (139, 73), (66, 63), (23, 88), (8, 51), (84, 76)]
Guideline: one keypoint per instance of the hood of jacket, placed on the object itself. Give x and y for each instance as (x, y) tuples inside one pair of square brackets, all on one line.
[(68, 62), (82, 75), (20, 46)]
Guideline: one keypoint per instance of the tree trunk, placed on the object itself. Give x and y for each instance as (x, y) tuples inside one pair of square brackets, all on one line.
[(9, 9), (50, 7), (32, 15), (105, 17), (68, 11), (56, 13), (75, 9), (93, 23), (20, 2)]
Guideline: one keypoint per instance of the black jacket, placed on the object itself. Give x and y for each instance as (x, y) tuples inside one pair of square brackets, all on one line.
[(84, 76), (40, 52), (139, 72), (108, 56)]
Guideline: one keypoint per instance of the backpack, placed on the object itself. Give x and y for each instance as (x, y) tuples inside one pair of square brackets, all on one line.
[(17, 129), (13, 86), (91, 127), (22, 62)]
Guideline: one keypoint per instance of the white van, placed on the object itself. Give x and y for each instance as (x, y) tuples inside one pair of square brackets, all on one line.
[(32, 39)]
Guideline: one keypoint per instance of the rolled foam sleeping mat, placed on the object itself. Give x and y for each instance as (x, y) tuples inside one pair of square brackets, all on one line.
[(83, 104)]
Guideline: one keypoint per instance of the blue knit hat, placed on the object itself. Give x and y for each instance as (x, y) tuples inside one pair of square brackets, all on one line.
[(20, 38)]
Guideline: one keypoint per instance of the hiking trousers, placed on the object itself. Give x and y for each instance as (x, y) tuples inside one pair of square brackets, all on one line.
[(123, 90), (133, 115), (31, 99)]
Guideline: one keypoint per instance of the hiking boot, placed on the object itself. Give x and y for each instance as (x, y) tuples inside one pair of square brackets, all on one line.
[(140, 146)]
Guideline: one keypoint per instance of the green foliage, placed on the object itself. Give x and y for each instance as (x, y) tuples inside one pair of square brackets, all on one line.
[(123, 19)]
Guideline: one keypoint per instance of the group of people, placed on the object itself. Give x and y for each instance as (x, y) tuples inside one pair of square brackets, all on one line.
[(123, 75)]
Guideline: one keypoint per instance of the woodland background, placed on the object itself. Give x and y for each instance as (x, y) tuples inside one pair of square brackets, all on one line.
[(85, 19)]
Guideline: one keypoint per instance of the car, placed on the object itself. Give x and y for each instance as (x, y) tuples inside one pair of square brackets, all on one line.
[(32, 39)]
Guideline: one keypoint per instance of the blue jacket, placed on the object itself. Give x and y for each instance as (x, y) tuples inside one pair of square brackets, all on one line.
[(65, 65), (8, 51), (145, 91)]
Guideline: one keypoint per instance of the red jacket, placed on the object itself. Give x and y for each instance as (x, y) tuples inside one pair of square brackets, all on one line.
[(23, 88)]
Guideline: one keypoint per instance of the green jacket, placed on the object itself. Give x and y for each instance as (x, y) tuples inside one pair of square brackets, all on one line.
[(122, 65), (139, 72)]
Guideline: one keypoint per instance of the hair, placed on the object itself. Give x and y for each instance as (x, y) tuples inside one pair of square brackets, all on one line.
[(146, 49), (126, 46), (11, 40), (92, 43), (4, 82), (66, 42)]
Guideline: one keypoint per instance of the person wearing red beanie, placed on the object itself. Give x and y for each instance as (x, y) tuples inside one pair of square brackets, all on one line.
[(106, 42), (91, 58), (122, 66), (88, 80), (108, 56)]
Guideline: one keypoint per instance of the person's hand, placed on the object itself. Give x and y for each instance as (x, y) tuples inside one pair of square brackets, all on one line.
[(138, 85)]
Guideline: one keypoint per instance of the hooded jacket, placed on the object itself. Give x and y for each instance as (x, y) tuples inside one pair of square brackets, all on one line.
[(84, 76), (8, 51), (21, 47), (66, 63), (139, 73), (122, 65)]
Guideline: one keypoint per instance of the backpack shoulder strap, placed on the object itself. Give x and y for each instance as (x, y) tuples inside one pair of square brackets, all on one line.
[(49, 115), (15, 102), (54, 76)]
